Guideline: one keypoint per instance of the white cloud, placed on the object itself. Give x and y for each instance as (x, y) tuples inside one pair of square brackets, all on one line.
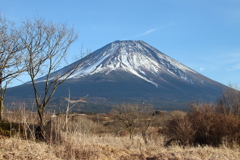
[(201, 69), (147, 32), (144, 33), (151, 30)]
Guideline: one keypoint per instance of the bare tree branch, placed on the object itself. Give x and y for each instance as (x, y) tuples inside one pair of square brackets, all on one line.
[(46, 46), (11, 59)]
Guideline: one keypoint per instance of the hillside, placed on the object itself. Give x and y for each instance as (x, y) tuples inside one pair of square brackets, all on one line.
[(129, 71)]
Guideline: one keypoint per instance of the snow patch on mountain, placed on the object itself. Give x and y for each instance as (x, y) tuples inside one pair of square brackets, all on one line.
[(135, 57)]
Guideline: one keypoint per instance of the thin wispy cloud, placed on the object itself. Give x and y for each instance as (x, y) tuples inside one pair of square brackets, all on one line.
[(147, 32), (230, 61), (150, 31), (234, 67), (226, 60)]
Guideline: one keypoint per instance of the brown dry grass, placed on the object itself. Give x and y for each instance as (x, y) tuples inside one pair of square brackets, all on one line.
[(80, 146), (88, 138), (17, 149), (205, 125)]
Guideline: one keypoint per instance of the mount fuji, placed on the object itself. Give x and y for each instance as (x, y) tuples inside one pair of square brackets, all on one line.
[(131, 71)]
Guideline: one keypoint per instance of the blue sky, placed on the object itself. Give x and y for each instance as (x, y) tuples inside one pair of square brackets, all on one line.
[(201, 34)]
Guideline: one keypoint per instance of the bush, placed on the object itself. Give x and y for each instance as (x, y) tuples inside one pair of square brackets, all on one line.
[(205, 125), (10, 129), (133, 118), (180, 128), (230, 127)]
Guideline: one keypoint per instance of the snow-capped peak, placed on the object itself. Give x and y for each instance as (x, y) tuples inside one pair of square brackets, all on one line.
[(135, 57)]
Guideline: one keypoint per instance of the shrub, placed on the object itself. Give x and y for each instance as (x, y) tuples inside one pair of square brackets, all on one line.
[(205, 125), (133, 118), (230, 127), (180, 128)]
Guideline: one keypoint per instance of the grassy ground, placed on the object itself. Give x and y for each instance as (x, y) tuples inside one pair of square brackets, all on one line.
[(88, 137), (108, 148)]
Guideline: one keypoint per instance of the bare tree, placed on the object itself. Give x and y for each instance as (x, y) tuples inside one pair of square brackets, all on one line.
[(126, 115), (70, 105), (132, 117), (145, 119), (46, 47), (11, 58), (229, 101)]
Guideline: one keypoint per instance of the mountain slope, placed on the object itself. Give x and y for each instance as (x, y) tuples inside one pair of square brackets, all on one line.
[(137, 58), (133, 71)]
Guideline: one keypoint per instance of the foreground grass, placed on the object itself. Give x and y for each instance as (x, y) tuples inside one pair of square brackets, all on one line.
[(92, 137), (108, 147)]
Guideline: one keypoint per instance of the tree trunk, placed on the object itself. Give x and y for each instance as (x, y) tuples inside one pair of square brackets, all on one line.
[(1, 98), (41, 116), (39, 133), (1, 108)]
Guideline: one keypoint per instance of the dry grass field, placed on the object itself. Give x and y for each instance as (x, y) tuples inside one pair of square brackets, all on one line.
[(109, 148), (96, 136)]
